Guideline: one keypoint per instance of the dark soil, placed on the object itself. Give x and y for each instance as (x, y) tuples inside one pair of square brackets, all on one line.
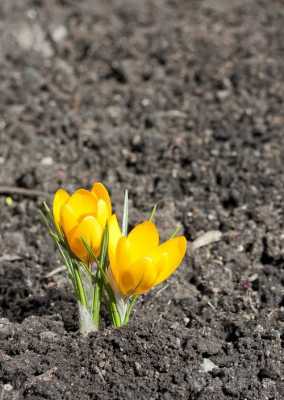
[(180, 101)]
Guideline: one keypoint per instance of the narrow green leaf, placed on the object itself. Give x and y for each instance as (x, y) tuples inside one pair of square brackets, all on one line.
[(45, 206), (68, 263), (111, 303), (153, 212), (178, 228), (90, 251), (81, 289), (72, 265), (104, 249), (100, 277), (129, 309), (86, 269)]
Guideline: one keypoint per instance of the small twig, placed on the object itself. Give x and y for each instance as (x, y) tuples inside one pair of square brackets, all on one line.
[(10, 258), (211, 305), (172, 114), (10, 190), (45, 377), (100, 374), (55, 271), (161, 290), (205, 239), (165, 311)]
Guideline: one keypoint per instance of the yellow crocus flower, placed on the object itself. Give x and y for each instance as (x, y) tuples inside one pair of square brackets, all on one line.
[(82, 215), (137, 261)]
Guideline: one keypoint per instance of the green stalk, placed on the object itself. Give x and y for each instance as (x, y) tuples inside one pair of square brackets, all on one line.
[(178, 228), (81, 291), (69, 266), (116, 320), (129, 309), (153, 213), (101, 267), (111, 304), (97, 299)]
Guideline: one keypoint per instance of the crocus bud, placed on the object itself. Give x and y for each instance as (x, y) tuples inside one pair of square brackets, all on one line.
[(137, 261), (82, 217)]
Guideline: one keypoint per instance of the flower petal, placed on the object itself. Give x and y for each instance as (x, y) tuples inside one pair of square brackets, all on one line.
[(114, 236), (102, 212), (147, 271), (136, 278), (170, 254), (142, 239), (120, 260), (83, 203), (101, 192), (68, 218), (60, 198), (91, 231), (122, 254)]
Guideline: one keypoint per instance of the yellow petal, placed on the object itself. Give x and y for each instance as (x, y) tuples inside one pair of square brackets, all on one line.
[(68, 218), (114, 236), (147, 271), (102, 212), (135, 278), (169, 256), (60, 198), (123, 255), (142, 240), (120, 261), (91, 231), (83, 203), (102, 193)]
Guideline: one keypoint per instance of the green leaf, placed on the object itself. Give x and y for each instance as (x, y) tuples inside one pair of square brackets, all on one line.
[(81, 290), (178, 228), (130, 308), (104, 249), (153, 212), (86, 269), (90, 251), (111, 304)]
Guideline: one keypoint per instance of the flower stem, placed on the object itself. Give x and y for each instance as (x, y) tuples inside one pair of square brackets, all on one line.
[(129, 309), (97, 299), (80, 287), (87, 324), (99, 282), (116, 320)]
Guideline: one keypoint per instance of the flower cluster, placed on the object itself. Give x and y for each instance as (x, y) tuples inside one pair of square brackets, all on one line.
[(103, 260)]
